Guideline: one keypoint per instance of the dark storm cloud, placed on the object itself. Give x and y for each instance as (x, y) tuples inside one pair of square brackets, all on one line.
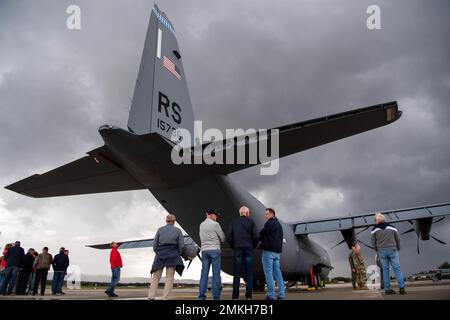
[(248, 64)]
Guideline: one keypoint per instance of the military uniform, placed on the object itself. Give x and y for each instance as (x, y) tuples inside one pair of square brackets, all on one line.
[(357, 261), (352, 269)]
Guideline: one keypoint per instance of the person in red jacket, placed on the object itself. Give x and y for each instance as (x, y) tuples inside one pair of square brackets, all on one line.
[(116, 263), (2, 269)]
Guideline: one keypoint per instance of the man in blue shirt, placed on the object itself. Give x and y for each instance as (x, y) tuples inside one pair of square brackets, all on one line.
[(271, 237)]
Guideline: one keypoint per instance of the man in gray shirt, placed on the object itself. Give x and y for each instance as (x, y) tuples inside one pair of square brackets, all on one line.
[(386, 241), (168, 246), (211, 235)]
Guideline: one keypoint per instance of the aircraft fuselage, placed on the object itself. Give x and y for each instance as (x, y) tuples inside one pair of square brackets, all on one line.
[(189, 196)]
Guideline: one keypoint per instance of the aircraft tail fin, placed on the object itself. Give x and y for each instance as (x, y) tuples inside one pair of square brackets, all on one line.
[(161, 101)]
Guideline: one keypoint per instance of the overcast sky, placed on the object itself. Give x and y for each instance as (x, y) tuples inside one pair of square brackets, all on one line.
[(249, 64)]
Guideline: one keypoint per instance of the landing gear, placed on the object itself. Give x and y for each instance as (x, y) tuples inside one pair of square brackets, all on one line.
[(314, 281), (259, 285)]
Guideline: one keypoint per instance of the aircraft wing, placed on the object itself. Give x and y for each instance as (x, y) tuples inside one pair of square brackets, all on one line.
[(367, 219), (97, 172), (133, 244), (308, 134), (316, 132)]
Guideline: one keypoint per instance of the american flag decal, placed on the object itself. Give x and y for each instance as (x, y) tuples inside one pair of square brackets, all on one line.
[(171, 67)]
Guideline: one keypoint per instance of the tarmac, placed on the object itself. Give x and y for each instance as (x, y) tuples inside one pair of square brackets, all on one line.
[(418, 290)]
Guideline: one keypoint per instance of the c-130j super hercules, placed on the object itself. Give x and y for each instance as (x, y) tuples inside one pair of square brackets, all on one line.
[(140, 158)]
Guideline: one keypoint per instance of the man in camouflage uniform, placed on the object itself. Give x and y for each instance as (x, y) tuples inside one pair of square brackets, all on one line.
[(352, 268), (358, 268)]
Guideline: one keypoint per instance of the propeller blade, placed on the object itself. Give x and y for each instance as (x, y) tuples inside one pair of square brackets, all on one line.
[(408, 231), (439, 220), (338, 244), (363, 230), (440, 241), (368, 246)]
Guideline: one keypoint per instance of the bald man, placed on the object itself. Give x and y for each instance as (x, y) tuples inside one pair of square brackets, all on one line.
[(386, 241), (243, 238), (168, 246)]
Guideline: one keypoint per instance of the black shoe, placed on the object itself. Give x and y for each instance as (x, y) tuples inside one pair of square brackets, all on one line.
[(268, 298), (280, 298), (62, 292), (390, 291), (402, 291), (113, 295)]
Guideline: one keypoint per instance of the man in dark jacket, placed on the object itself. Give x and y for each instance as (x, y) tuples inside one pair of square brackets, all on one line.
[(60, 264), (271, 237), (243, 238), (25, 272), (14, 258), (168, 246), (386, 241)]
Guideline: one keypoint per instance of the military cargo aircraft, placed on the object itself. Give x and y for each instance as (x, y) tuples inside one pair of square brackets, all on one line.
[(139, 157)]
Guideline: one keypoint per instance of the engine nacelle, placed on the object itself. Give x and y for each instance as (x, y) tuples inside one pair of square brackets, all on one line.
[(422, 227), (190, 251)]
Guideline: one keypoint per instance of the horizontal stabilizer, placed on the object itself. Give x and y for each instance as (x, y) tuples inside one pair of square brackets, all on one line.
[(301, 136), (95, 173), (134, 244), (367, 220), (312, 133)]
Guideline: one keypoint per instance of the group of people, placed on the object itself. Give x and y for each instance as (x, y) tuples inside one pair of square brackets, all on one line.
[(242, 236), (22, 273), (386, 242)]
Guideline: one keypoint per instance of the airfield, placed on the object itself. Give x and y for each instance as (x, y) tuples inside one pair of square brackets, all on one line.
[(420, 290)]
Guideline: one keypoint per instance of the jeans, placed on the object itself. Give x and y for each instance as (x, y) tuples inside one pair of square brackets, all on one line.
[(115, 278), (241, 257), (58, 281), (210, 257), (271, 266), (31, 282), (9, 280), (390, 257), (2, 278)]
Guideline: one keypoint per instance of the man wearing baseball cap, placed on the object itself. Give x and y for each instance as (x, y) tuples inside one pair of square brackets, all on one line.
[(211, 235)]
